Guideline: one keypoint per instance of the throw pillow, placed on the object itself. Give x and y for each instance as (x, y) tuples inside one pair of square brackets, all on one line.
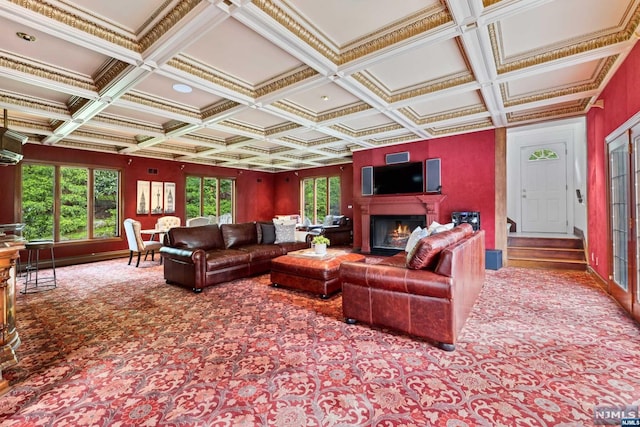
[(285, 232), (442, 228), (284, 221), (425, 254), (434, 226), (417, 234), (268, 233)]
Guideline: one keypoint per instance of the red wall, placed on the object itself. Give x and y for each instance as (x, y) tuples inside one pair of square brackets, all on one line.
[(467, 174), (621, 101), (254, 190), (287, 188)]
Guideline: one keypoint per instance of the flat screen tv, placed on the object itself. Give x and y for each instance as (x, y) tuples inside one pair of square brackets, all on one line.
[(398, 178)]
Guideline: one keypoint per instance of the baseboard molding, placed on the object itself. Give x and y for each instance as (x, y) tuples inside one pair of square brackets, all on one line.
[(83, 259), (600, 281)]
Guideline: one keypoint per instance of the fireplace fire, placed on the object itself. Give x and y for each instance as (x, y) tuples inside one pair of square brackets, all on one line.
[(389, 234)]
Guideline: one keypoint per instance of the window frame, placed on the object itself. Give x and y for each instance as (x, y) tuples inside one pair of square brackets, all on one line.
[(57, 166), (202, 179), (327, 178)]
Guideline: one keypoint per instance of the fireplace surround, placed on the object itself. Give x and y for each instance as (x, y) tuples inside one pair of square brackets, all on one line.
[(429, 205)]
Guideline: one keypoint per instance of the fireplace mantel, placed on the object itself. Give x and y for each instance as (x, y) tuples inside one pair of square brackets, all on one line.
[(420, 204)]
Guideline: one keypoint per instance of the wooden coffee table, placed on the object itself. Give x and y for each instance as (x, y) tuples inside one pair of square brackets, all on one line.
[(306, 271)]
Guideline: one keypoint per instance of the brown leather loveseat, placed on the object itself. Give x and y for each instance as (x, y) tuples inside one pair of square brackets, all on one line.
[(427, 293), (197, 257)]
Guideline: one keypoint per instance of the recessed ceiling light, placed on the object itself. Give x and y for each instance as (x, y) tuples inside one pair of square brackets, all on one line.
[(182, 88), (324, 97), (26, 37)]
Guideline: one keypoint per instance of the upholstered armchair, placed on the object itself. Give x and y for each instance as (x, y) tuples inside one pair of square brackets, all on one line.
[(137, 244), (199, 220), (338, 230), (164, 223)]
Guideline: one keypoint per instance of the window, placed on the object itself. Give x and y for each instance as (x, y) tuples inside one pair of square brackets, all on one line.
[(207, 196), (87, 206), (320, 197), (543, 154)]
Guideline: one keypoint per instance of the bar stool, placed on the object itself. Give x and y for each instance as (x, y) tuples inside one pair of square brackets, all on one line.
[(32, 268)]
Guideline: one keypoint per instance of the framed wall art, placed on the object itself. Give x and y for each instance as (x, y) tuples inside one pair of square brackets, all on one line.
[(157, 197), (169, 197), (143, 198)]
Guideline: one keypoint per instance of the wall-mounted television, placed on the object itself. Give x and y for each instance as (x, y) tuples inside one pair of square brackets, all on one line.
[(398, 178)]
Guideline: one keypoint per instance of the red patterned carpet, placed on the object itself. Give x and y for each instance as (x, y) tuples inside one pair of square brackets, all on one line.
[(114, 345)]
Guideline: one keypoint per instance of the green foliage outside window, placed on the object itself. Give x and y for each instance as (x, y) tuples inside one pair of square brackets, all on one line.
[(193, 196), (334, 195), (308, 199), (208, 196), (226, 196), (37, 201), (73, 203), (320, 197), (75, 209), (105, 203)]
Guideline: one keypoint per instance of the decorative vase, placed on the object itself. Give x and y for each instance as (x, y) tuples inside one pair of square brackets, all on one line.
[(320, 248)]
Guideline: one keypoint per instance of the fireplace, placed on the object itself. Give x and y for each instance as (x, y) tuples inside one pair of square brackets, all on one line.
[(389, 233), (429, 205)]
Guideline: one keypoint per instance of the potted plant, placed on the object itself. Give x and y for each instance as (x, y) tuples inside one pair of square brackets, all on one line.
[(320, 244)]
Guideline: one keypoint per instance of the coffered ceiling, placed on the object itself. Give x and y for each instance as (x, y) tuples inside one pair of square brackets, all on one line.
[(290, 84)]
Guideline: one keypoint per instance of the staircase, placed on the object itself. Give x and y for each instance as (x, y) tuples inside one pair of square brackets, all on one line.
[(546, 252)]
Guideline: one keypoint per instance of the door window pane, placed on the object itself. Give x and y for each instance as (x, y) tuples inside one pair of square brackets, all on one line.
[(73, 203), (226, 197), (321, 198), (334, 195), (193, 196), (307, 200), (619, 171), (37, 201), (105, 203), (210, 195)]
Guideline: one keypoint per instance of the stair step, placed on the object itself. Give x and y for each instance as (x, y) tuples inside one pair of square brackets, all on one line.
[(544, 242), (548, 264), (545, 253)]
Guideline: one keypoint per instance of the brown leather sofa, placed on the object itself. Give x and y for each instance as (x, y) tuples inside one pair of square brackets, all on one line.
[(197, 257), (340, 232), (428, 293)]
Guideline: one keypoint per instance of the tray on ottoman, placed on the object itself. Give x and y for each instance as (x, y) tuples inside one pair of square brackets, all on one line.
[(307, 271)]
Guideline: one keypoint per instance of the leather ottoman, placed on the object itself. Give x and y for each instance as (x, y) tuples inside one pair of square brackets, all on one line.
[(306, 271)]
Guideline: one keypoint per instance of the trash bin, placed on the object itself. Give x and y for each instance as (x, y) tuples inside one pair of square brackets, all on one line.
[(493, 259)]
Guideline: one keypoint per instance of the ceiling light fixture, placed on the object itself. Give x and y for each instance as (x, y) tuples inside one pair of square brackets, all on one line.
[(182, 88), (26, 37), (324, 97)]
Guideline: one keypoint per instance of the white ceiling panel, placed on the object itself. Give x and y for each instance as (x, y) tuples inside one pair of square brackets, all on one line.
[(282, 85)]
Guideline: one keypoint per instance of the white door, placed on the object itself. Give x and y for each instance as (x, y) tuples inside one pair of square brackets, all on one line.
[(543, 171)]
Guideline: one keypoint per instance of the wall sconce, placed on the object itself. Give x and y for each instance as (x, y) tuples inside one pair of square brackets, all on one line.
[(295, 173), (181, 167), (129, 161)]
